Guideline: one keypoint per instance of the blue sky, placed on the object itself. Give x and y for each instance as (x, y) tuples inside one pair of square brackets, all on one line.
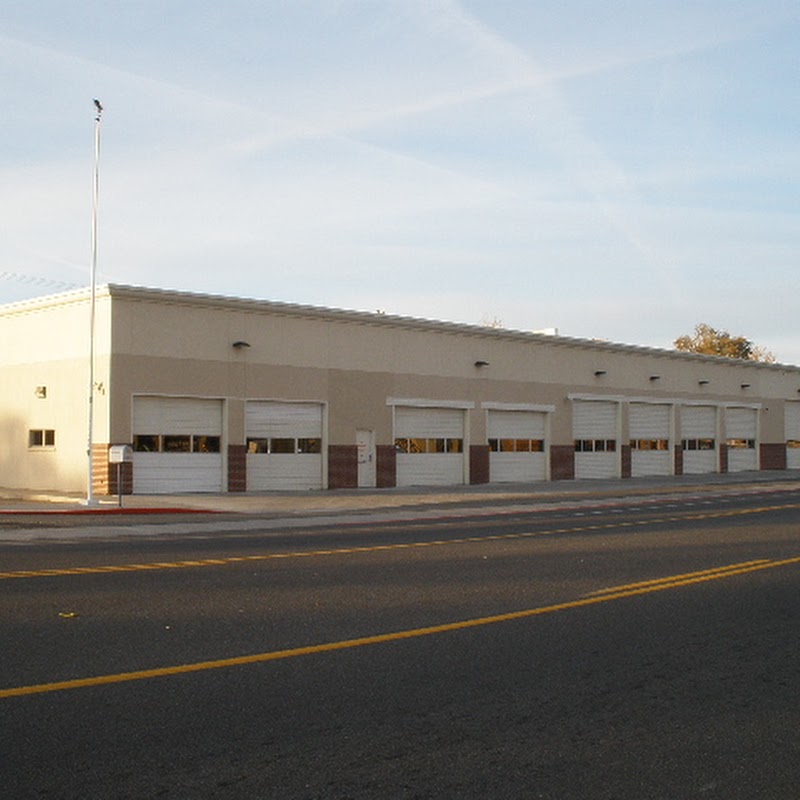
[(616, 170)]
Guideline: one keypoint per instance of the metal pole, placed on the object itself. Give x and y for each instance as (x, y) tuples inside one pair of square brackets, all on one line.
[(95, 193)]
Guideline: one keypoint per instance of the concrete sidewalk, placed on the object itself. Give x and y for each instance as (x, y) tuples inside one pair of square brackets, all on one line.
[(363, 500)]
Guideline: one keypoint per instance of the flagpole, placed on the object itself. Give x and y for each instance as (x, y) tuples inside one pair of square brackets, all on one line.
[(90, 500)]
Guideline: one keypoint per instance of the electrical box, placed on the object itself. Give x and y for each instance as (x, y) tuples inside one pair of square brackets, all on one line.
[(120, 453)]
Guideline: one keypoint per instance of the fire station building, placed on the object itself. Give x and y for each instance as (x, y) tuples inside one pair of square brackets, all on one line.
[(221, 394)]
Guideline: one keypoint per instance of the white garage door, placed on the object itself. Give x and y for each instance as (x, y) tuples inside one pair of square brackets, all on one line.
[(792, 421), (284, 445), (740, 435), (594, 426), (177, 445), (649, 429), (516, 446), (699, 439), (430, 446)]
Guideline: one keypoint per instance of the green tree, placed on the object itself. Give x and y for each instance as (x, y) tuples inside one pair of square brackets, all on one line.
[(712, 342)]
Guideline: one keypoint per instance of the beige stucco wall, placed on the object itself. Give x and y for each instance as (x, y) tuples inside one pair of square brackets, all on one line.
[(354, 362), (46, 344), (177, 344)]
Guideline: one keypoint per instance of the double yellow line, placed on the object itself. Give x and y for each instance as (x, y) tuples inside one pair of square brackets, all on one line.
[(601, 596)]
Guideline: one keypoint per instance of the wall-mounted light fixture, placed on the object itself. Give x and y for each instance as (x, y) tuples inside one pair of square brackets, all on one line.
[(599, 372), (40, 392), (655, 377), (240, 344), (745, 386), (481, 363), (703, 383)]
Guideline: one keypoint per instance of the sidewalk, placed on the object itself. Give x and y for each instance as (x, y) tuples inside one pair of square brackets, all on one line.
[(363, 500)]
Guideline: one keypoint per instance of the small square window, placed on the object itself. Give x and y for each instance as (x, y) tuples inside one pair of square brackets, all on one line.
[(257, 446), (177, 443), (281, 445), (205, 444), (146, 443), (41, 437)]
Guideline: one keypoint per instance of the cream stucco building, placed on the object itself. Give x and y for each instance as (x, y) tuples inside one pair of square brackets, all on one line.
[(221, 394)]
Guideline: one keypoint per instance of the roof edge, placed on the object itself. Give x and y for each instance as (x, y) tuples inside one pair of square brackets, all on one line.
[(184, 297)]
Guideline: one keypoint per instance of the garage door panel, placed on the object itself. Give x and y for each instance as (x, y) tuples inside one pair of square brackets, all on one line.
[(284, 472), (516, 424), (699, 440), (741, 423), (431, 423), (434, 442), (282, 420), (596, 466), (177, 415), (699, 462), (277, 433), (167, 473), (741, 427), (517, 467), (594, 426), (594, 419), (519, 429), (651, 462), (649, 421), (430, 469), (649, 429), (157, 423)]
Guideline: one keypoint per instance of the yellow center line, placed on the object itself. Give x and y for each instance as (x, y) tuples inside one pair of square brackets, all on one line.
[(344, 551), (715, 572), (617, 593)]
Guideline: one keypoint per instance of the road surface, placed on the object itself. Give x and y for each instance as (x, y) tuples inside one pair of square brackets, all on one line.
[(636, 649)]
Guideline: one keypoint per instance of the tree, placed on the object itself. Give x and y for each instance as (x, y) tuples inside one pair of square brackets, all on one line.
[(711, 342)]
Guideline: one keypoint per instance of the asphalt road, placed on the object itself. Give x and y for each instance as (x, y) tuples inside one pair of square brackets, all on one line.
[(624, 650)]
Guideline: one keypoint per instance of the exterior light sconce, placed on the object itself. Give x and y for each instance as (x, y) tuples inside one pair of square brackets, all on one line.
[(702, 383), (240, 344), (655, 377), (481, 364), (40, 392), (598, 373), (745, 386)]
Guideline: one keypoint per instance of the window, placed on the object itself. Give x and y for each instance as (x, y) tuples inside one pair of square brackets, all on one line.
[(595, 445), (443, 445), (257, 446), (283, 445), (176, 443), (793, 443), (309, 445), (147, 443), (205, 444), (741, 444), (41, 438), (516, 445), (698, 444), (650, 444)]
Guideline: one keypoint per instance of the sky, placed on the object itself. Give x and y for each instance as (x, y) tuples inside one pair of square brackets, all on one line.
[(617, 170)]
